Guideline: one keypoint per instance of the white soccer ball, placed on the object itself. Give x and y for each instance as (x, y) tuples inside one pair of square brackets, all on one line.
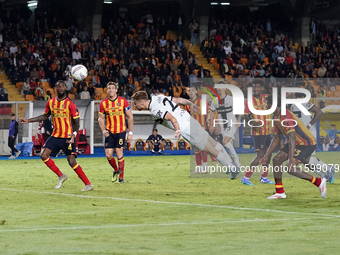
[(79, 72)]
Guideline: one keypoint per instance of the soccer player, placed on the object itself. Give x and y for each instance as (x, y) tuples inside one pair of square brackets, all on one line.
[(301, 144), (166, 111), (199, 155), (225, 112), (261, 134), (331, 138), (309, 121), (114, 109), (63, 111), (156, 142)]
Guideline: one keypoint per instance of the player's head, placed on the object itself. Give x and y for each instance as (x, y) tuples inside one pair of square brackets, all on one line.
[(155, 132), (193, 90), (61, 88), (140, 100), (270, 103), (332, 127), (221, 91), (13, 116), (112, 88), (258, 85)]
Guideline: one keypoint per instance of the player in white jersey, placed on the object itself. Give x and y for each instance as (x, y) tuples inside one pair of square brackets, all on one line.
[(229, 127), (167, 112), (309, 121)]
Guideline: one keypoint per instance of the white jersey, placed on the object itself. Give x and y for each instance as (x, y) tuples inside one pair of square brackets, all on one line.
[(306, 119), (225, 111), (190, 129), (160, 105)]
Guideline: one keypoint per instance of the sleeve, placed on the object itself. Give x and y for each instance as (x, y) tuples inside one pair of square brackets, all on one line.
[(126, 105), (101, 108), (47, 108), (246, 108), (149, 138), (74, 110), (16, 129), (289, 125), (161, 138), (308, 105)]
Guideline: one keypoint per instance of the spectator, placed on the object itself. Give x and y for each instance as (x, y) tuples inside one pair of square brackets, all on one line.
[(85, 94), (69, 84), (76, 55), (91, 89), (12, 135), (39, 92), (3, 96), (48, 95), (193, 26)]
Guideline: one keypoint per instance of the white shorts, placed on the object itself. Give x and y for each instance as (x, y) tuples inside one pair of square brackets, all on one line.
[(195, 134), (229, 131), (332, 142)]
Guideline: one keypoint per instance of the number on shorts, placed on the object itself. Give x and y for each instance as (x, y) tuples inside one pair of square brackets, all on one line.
[(121, 141), (297, 152)]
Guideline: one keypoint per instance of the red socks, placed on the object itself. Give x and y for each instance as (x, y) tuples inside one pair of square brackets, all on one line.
[(204, 156), (112, 162), (121, 167), (82, 176), (316, 181), (279, 188), (50, 163), (198, 159), (264, 172)]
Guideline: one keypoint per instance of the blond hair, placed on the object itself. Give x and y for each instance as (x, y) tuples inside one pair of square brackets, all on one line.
[(140, 95)]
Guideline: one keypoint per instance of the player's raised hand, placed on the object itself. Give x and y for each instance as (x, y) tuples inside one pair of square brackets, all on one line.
[(177, 133), (23, 121)]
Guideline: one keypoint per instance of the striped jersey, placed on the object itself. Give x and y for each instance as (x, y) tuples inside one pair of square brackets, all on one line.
[(114, 111), (306, 119), (302, 135), (259, 104), (198, 115), (61, 112)]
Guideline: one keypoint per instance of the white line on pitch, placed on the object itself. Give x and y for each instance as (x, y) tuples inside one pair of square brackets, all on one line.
[(172, 203), (153, 224)]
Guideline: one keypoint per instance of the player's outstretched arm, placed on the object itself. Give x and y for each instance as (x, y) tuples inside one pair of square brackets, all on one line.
[(317, 114), (174, 122), (183, 101), (35, 119)]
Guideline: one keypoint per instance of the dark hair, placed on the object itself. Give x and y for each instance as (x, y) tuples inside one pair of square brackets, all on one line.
[(12, 114), (60, 81), (258, 81), (332, 125), (155, 129)]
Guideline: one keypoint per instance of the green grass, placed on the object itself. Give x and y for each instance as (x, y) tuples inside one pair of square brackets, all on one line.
[(37, 219)]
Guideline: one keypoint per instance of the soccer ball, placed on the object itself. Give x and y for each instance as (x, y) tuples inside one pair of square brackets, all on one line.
[(79, 72)]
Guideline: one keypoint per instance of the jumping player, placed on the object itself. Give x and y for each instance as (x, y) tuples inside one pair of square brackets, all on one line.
[(62, 110), (114, 108), (167, 112), (300, 146), (261, 134)]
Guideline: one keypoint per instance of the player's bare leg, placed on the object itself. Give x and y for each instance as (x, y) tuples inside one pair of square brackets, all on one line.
[(79, 171), (151, 147), (217, 150), (230, 147), (120, 158), (45, 156)]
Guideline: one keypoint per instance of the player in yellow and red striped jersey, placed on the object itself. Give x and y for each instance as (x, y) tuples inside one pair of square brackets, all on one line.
[(300, 146), (261, 135), (199, 155), (113, 109), (63, 112)]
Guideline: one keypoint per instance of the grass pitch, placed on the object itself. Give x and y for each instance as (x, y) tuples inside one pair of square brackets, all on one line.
[(161, 210)]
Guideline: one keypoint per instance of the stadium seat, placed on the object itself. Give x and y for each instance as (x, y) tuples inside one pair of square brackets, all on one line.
[(19, 85), (127, 146), (99, 90), (45, 84), (182, 145), (213, 60), (29, 98), (168, 145), (82, 146), (140, 145), (103, 96), (337, 93), (330, 93), (72, 96)]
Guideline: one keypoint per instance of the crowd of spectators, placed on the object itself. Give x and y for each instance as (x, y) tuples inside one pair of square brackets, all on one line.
[(137, 57), (264, 49)]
